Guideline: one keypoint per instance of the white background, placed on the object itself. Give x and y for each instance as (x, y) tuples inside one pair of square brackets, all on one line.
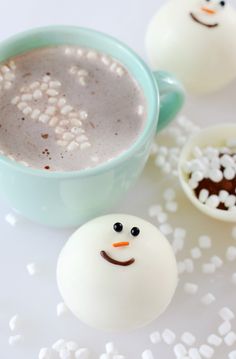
[(35, 299)]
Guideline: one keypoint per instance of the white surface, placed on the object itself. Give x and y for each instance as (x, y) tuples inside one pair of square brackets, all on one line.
[(35, 298)]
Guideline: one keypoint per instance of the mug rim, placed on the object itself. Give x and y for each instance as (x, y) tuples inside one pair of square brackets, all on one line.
[(126, 154)]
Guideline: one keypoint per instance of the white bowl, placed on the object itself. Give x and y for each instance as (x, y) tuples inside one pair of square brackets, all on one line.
[(215, 136)]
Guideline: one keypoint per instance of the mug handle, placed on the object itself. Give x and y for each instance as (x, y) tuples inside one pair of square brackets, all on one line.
[(172, 97)]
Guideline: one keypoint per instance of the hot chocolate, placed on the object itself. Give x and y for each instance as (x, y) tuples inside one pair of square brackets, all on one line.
[(68, 108)]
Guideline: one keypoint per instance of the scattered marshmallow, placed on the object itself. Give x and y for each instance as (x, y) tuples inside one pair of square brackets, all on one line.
[(147, 354), (206, 351), (194, 353), (155, 337), (214, 340), (208, 299), (45, 353), (226, 314), (190, 288), (14, 323), (11, 219), (65, 354), (168, 336), (189, 265), (231, 254), (208, 268), (230, 339), (232, 355), (32, 268), (180, 350), (72, 346), (59, 345), (61, 309), (217, 261), (224, 328), (196, 253), (15, 339), (82, 353), (204, 242), (188, 338), (166, 229)]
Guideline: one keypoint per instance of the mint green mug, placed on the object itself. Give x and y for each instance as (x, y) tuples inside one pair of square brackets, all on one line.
[(67, 199)]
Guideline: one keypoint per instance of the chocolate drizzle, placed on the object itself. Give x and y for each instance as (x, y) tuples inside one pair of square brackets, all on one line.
[(202, 23), (114, 261)]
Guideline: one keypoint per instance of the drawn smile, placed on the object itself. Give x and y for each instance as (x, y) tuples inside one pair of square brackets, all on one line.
[(201, 22), (116, 262)]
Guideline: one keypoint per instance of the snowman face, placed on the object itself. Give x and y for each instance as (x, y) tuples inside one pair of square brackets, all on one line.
[(207, 13), (117, 272)]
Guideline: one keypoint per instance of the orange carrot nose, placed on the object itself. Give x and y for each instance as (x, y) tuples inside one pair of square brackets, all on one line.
[(208, 11), (120, 244)]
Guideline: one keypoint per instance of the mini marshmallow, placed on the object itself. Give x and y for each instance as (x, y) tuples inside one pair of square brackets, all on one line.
[(61, 309), (15, 339), (71, 346), (230, 339), (35, 114), (194, 353), (82, 353), (166, 229), (206, 351), (190, 288), (147, 354), (11, 219), (204, 242), (208, 268), (230, 201), (44, 118), (83, 115), (224, 328), (14, 323), (84, 145), (66, 109), (59, 345), (72, 146), (162, 217), (214, 340), (196, 253), (231, 254), (208, 299), (37, 94), (140, 110), (154, 210), (177, 244), (181, 267), (171, 207), (32, 268), (215, 175), (213, 201), (203, 195), (189, 265), (223, 195), (180, 350), (168, 336), (45, 353), (217, 261), (226, 314), (188, 338), (229, 173), (65, 354), (179, 233), (155, 337), (110, 348), (169, 194)]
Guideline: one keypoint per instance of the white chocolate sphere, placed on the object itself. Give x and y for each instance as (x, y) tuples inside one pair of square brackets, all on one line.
[(113, 280), (195, 40)]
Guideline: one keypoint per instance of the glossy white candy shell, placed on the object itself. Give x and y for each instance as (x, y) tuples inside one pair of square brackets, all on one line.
[(204, 59), (112, 297), (215, 136)]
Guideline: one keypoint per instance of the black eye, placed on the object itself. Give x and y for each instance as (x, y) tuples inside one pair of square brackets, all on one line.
[(208, 0), (222, 3), (118, 227), (135, 231)]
